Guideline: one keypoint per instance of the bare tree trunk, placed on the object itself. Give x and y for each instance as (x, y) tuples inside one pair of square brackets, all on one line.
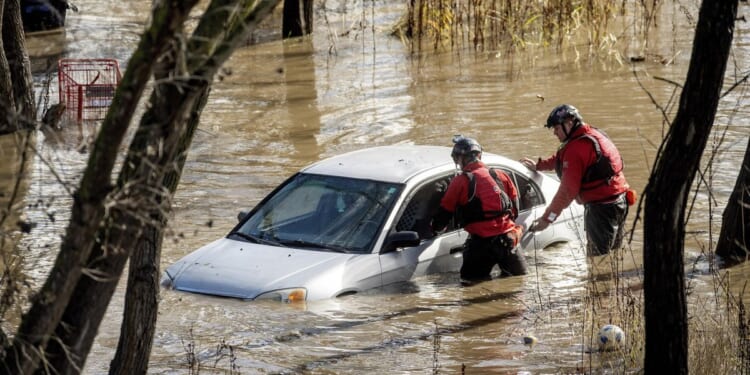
[(39, 323), (140, 312), (7, 104), (141, 306), (138, 327), (13, 81), (668, 188), (12, 194), (735, 227), (307, 8), (14, 44), (141, 303), (292, 20), (141, 182)]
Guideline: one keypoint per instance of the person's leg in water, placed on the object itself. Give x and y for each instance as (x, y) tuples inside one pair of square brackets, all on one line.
[(509, 258), (478, 260), (605, 226)]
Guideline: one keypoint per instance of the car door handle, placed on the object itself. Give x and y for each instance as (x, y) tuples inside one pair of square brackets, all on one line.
[(457, 249)]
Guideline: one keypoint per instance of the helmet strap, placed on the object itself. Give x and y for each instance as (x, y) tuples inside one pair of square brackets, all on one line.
[(463, 160), (575, 126)]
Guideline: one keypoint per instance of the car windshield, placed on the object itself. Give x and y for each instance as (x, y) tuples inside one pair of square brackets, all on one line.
[(322, 213)]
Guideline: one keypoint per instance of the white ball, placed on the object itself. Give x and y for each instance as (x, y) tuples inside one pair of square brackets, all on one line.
[(611, 337)]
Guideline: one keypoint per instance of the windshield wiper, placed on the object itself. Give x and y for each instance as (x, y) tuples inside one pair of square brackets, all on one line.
[(255, 239), (315, 245)]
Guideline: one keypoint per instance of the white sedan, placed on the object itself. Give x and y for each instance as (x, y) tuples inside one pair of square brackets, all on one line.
[(355, 222)]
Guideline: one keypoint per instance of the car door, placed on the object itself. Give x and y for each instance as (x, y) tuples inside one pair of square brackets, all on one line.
[(434, 254), (531, 205)]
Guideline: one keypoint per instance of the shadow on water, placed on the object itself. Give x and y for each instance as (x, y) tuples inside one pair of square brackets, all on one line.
[(342, 325), (407, 340), (393, 342), (298, 71)]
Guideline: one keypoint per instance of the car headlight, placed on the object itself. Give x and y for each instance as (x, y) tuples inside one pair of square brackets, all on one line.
[(285, 295)]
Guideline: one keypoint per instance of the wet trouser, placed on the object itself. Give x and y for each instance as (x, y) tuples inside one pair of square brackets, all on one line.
[(605, 225), (482, 253)]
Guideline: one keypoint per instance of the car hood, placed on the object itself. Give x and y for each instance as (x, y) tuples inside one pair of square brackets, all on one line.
[(244, 270)]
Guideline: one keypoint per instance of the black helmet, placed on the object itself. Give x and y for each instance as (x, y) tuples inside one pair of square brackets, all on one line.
[(561, 113), (465, 146)]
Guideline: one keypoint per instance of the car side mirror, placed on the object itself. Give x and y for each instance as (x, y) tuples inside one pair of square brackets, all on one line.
[(395, 240), (241, 215)]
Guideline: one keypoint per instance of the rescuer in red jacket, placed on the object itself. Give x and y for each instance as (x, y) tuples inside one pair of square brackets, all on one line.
[(483, 201), (590, 171)]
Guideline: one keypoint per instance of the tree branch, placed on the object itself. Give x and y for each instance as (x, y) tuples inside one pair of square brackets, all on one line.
[(88, 209)]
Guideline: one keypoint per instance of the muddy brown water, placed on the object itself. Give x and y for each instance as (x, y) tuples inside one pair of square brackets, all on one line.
[(281, 106)]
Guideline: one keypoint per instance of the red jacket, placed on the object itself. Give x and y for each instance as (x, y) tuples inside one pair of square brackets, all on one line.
[(573, 159), (457, 196)]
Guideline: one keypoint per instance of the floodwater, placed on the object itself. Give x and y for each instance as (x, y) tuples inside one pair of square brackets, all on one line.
[(280, 106)]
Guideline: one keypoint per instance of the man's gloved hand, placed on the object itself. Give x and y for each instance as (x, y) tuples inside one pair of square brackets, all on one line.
[(539, 225), (515, 235)]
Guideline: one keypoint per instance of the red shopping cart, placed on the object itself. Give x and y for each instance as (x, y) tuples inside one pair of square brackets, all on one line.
[(86, 87)]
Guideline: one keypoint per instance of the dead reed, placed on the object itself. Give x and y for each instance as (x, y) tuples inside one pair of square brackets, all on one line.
[(491, 25), (507, 26)]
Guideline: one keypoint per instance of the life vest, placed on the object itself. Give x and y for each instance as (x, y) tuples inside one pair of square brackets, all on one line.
[(475, 209), (608, 160)]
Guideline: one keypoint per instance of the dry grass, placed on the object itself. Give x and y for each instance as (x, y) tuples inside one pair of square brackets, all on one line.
[(717, 326), (506, 26)]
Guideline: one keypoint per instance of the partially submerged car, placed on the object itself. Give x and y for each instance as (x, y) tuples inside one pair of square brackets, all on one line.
[(355, 222)]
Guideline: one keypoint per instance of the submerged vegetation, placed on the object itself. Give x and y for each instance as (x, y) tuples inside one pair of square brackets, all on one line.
[(717, 323), (492, 25)]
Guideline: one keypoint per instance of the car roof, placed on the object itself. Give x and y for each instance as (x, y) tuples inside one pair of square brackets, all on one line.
[(394, 163)]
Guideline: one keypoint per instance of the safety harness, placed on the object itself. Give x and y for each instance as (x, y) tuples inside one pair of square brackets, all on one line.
[(602, 169), (474, 211)]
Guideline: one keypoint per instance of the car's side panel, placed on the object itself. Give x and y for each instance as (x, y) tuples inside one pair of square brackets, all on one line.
[(444, 255), (437, 255), (359, 273)]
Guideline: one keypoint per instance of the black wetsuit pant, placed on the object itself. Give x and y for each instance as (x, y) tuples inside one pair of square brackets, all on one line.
[(482, 253), (605, 225)]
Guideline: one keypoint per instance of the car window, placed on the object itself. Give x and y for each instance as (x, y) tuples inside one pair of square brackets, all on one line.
[(323, 213), (422, 205), (529, 194)]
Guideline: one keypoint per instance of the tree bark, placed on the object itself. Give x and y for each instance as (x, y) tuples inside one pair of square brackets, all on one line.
[(142, 295), (48, 306), (203, 55), (12, 194), (14, 44), (141, 302), (141, 306), (734, 237), (7, 104), (292, 20), (141, 182), (668, 188), (307, 8)]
